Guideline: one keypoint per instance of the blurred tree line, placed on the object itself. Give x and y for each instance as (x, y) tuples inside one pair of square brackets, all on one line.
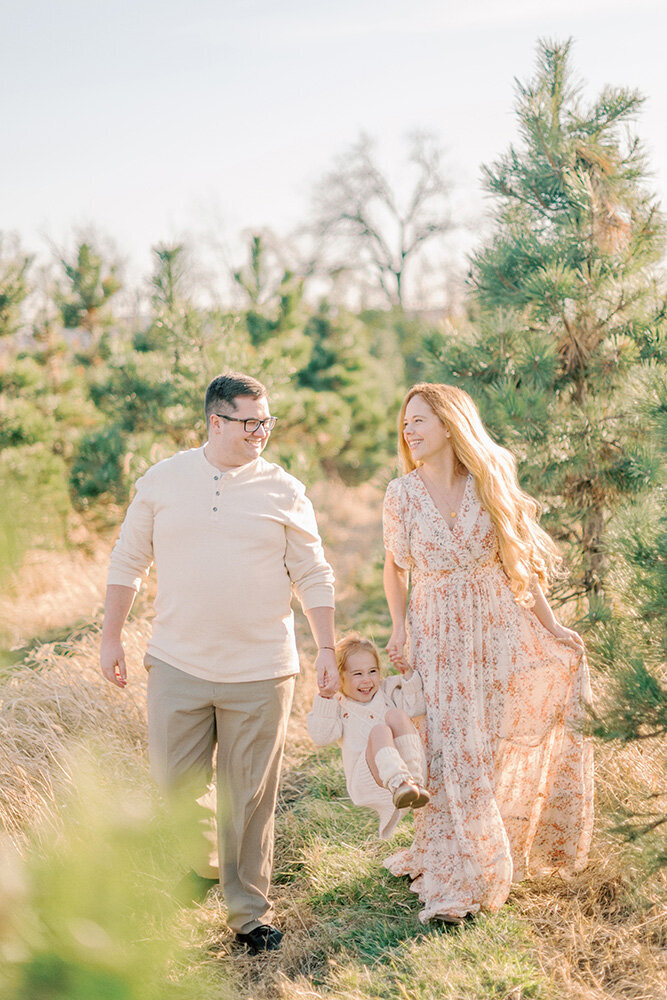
[(91, 397)]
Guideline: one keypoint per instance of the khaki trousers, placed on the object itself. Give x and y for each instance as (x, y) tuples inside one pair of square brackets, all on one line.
[(187, 716)]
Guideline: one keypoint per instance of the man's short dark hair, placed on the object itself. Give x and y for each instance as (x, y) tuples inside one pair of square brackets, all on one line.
[(225, 388)]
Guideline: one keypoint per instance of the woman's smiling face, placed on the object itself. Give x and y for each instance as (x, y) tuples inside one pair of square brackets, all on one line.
[(424, 433)]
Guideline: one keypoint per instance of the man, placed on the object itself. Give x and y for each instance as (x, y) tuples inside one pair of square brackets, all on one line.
[(230, 535)]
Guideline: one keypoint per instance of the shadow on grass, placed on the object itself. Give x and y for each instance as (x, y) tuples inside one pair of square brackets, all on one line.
[(352, 929), (330, 857)]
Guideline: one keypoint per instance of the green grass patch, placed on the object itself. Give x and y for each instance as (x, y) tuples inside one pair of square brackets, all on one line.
[(369, 941), (488, 958)]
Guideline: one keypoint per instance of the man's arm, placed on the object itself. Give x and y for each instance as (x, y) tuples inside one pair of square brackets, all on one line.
[(312, 579), (130, 559), (321, 621), (112, 655)]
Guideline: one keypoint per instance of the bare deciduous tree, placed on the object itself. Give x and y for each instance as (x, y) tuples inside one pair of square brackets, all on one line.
[(361, 222)]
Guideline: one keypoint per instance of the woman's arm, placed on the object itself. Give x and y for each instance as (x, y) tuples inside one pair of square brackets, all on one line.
[(395, 581), (545, 615)]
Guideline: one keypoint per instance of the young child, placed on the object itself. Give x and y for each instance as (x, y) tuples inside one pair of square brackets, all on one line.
[(383, 757)]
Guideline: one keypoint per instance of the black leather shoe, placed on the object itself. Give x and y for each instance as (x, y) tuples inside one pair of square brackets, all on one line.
[(262, 938)]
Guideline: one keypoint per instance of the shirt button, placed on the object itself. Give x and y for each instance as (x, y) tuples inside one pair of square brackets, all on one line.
[(217, 493), (215, 508), (216, 478)]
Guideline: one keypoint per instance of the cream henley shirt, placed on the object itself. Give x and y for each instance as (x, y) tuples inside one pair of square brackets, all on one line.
[(228, 548)]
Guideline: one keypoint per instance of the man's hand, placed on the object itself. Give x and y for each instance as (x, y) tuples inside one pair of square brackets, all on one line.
[(112, 661), (112, 655), (328, 680), (321, 621)]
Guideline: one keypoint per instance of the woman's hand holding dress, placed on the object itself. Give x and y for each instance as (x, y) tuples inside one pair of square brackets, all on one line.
[(569, 637), (546, 616)]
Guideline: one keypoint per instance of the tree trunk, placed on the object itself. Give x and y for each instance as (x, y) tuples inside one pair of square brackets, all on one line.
[(594, 562)]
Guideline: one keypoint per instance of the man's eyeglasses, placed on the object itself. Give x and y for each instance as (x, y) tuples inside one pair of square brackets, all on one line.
[(251, 424)]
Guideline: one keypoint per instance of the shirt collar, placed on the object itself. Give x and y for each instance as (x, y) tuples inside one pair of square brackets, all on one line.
[(240, 472)]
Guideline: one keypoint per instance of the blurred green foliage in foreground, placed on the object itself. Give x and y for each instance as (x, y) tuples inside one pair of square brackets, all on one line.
[(92, 911)]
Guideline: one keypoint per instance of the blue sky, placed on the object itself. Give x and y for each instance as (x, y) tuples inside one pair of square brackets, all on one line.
[(148, 119)]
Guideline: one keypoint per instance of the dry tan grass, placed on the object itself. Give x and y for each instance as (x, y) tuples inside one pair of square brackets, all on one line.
[(349, 521), (52, 589), (605, 929), (599, 941), (53, 701), (600, 935)]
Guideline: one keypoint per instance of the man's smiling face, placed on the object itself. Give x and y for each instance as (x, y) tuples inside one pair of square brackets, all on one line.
[(233, 444)]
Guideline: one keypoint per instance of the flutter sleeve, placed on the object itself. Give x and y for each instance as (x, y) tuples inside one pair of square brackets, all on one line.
[(325, 722), (394, 528)]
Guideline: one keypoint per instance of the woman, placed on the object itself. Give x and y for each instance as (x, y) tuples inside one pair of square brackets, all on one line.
[(509, 772)]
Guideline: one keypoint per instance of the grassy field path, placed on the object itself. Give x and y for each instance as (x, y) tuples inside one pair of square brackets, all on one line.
[(351, 929)]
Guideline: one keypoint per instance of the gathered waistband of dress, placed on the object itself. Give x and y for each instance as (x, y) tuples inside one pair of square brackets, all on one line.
[(466, 569)]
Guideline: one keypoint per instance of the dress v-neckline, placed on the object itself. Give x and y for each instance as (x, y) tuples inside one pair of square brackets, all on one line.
[(450, 527)]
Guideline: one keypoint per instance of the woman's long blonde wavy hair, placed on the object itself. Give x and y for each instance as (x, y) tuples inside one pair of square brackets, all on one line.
[(527, 553)]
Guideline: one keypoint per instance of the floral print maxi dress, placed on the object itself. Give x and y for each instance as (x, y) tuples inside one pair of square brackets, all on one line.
[(511, 777)]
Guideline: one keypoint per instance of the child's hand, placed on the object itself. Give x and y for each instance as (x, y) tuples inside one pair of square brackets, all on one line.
[(402, 664), (396, 643)]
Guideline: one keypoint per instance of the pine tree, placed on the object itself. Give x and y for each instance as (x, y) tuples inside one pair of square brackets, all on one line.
[(273, 293), (565, 354), (348, 395), (148, 394), (566, 307), (631, 645), (14, 266), (85, 293)]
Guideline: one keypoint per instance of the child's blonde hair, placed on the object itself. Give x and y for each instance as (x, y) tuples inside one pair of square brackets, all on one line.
[(354, 643)]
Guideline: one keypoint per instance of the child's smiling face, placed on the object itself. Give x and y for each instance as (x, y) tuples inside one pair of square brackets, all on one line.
[(361, 677)]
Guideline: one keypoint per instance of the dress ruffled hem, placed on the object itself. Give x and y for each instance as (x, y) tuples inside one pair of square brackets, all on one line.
[(440, 905)]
